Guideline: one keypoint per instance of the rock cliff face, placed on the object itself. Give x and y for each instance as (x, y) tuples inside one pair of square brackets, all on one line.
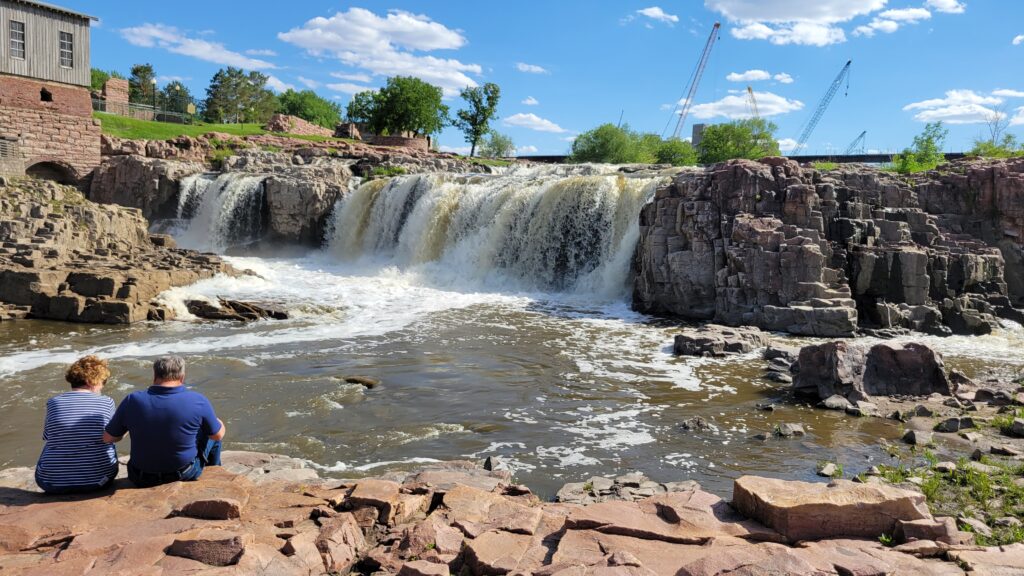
[(65, 258), (787, 248)]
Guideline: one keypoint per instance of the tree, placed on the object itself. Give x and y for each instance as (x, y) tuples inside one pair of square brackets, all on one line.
[(310, 107), (1007, 147), (753, 138), (606, 143), (174, 97), (141, 84), (497, 145), (408, 104), (997, 121), (926, 151), (676, 152), (475, 120), (234, 96), (360, 108)]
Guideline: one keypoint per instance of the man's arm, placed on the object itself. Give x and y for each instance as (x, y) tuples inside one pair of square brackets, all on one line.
[(108, 439), (220, 434)]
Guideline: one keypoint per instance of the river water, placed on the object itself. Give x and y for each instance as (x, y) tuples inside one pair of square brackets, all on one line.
[(495, 312)]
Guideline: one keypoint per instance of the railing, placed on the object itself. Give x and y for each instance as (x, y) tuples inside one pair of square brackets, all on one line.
[(141, 111), (9, 148)]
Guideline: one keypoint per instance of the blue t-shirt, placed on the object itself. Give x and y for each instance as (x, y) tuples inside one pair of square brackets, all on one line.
[(74, 454), (164, 423)]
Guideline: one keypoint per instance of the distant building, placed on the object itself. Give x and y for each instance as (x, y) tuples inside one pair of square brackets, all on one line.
[(46, 123), (698, 134)]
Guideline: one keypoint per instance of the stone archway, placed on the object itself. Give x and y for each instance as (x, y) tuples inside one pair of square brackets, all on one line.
[(55, 170)]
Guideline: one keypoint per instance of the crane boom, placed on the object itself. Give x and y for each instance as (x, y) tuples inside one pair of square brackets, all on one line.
[(823, 105), (753, 103), (692, 92), (857, 142)]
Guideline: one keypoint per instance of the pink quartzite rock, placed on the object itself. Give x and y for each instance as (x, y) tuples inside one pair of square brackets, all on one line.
[(216, 509), (814, 511)]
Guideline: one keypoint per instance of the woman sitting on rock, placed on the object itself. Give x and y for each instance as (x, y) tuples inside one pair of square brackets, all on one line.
[(75, 458)]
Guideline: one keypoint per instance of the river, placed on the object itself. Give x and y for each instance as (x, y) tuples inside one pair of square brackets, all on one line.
[(494, 309)]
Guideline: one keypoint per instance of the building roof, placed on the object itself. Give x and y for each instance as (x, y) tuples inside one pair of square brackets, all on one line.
[(54, 8)]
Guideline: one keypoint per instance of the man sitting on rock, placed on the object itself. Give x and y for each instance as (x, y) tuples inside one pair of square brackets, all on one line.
[(175, 433)]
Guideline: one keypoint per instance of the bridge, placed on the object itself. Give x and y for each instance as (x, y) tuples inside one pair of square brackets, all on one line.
[(802, 158)]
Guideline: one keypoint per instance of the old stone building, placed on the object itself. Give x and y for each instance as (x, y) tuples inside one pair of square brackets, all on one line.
[(46, 124)]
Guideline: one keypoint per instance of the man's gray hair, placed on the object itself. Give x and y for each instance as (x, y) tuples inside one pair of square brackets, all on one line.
[(169, 368)]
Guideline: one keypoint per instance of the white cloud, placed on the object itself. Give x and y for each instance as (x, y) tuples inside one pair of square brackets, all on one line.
[(260, 52), (1018, 119), (348, 87), (656, 13), (463, 150), (166, 79), (735, 106), (800, 33), (1008, 93), (277, 85), (526, 150), (388, 45), (1019, 39), (530, 101), (906, 14), (958, 107), (948, 6), (533, 122), (568, 138), (876, 25), (819, 11), (783, 78), (787, 144), (531, 68), (748, 76), (364, 78), (171, 39), (308, 82)]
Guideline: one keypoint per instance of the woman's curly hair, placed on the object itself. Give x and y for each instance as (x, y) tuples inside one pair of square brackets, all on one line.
[(87, 371)]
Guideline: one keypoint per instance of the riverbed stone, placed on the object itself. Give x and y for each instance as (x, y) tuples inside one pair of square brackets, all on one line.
[(806, 511), (715, 341)]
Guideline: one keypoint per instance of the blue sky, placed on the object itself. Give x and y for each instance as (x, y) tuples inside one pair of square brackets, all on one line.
[(567, 66)]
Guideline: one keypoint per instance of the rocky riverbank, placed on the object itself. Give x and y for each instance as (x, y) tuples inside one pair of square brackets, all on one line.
[(265, 514), (66, 258), (784, 247)]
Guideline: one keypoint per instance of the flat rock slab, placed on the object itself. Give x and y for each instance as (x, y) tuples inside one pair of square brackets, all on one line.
[(814, 511), (214, 509), (212, 548)]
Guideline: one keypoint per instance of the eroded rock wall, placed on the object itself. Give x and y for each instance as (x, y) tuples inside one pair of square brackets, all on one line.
[(787, 248)]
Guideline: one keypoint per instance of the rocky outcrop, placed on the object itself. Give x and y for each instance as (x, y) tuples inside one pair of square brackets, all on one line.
[(294, 125), (857, 371), (65, 258), (787, 248), (149, 184), (713, 340), (266, 514)]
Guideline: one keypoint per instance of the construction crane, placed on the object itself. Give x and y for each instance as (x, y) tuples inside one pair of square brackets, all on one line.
[(752, 102), (695, 80), (844, 74), (857, 146)]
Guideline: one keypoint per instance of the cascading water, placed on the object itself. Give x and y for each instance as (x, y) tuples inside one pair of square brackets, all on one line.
[(223, 210), (546, 228)]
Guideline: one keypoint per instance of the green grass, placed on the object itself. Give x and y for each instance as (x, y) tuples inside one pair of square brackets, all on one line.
[(1004, 422), (490, 161), (823, 166), (136, 129), (388, 171)]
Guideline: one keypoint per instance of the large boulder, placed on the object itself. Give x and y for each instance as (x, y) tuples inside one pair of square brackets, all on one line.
[(816, 511), (149, 184), (857, 372), (715, 340)]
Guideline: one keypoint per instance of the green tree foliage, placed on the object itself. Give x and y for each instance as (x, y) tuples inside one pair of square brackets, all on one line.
[(408, 104), (310, 107), (174, 97), (1006, 147), (360, 108), (475, 120), (926, 151), (235, 96), (753, 138), (142, 84), (496, 145), (100, 77), (621, 145)]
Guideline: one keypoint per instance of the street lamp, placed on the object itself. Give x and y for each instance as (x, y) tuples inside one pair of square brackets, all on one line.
[(153, 82)]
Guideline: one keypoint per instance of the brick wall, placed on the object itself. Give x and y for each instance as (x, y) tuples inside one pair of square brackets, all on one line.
[(115, 94), (400, 141), (61, 131)]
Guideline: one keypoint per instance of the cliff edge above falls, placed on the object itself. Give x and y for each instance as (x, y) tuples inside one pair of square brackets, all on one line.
[(775, 245), (63, 257)]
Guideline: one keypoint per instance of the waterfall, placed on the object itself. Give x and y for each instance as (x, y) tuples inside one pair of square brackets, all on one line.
[(546, 228), (223, 210)]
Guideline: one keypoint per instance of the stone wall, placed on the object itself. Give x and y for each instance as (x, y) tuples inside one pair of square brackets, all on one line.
[(422, 144), (115, 95), (787, 248), (60, 130), (295, 125)]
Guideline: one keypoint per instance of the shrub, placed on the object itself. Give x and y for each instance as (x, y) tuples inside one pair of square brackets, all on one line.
[(925, 153), (753, 139)]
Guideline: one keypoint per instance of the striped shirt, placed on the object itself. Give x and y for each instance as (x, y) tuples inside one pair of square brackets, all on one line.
[(74, 454)]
